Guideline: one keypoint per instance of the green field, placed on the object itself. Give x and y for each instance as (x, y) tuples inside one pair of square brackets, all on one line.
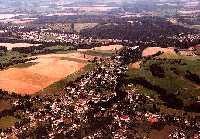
[(98, 53), (24, 65), (73, 59), (80, 26), (10, 56), (58, 48), (174, 84), (13, 58)]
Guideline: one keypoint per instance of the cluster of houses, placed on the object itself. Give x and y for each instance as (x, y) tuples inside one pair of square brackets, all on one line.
[(186, 37), (188, 43), (58, 113), (44, 36)]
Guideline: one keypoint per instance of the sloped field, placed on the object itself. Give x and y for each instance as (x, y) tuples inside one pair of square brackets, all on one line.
[(47, 70)]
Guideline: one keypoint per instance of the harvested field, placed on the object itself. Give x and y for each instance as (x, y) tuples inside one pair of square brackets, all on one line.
[(109, 48), (13, 45), (153, 50), (80, 26), (49, 69), (103, 51), (104, 48)]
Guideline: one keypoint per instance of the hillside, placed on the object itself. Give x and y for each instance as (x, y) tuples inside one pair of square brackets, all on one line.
[(144, 29), (172, 79), (104, 103)]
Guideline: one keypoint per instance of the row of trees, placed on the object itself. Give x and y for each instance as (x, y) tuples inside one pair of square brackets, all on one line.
[(3, 49), (143, 29), (157, 30)]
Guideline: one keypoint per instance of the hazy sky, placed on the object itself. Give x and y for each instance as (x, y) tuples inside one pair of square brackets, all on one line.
[(53, 5)]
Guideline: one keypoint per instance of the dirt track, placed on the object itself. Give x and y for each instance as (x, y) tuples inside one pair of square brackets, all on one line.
[(50, 68)]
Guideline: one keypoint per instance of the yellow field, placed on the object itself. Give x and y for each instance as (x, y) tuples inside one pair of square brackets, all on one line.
[(47, 70)]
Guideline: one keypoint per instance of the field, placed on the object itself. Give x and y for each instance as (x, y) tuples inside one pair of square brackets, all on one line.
[(196, 26), (47, 75), (98, 52), (4, 105), (153, 50), (68, 27), (33, 76), (80, 26), (30, 78), (109, 48), (135, 65), (6, 122), (10, 58), (60, 27), (166, 79), (13, 45), (58, 86), (101, 51), (172, 91)]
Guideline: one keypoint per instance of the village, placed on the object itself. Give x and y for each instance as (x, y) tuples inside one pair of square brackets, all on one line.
[(132, 75), (95, 106)]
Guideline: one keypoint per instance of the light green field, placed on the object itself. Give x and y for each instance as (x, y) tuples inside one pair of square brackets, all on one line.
[(98, 53), (6, 122), (184, 89), (80, 26), (11, 55)]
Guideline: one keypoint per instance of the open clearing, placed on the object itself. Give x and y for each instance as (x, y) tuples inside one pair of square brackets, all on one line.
[(103, 51), (104, 48), (49, 69)]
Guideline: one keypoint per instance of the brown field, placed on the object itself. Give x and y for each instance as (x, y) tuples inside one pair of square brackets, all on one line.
[(4, 105), (104, 48), (80, 26), (163, 133), (153, 50), (135, 65), (49, 69)]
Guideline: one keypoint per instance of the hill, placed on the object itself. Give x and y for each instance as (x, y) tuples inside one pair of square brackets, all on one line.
[(143, 29)]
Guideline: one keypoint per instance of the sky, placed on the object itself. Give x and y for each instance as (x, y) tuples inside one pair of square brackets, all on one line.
[(35, 6)]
